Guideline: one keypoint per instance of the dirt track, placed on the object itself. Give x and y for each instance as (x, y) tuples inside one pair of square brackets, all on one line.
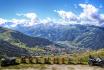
[(63, 67), (74, 67)]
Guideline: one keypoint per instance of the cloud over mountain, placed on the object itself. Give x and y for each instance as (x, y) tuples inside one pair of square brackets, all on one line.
[(31, 18), (2, 21), (89, 15)]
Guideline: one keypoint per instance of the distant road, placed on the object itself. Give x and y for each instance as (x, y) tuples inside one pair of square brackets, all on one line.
[(64, 67)]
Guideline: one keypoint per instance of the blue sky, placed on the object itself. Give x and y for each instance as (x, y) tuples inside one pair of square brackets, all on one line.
[(44, 8), (51, 9)]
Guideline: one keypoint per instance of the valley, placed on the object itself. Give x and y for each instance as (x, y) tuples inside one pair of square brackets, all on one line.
[(61, 39)]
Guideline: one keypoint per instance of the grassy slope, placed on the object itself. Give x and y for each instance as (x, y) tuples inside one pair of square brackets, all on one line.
[(23, 41)]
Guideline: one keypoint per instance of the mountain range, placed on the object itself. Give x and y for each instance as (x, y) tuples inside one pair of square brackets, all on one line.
[(83, 36), (45, 39)]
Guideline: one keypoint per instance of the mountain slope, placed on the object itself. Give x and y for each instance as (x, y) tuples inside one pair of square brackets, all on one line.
[(11, 50), (15, 36), (83, 36), (93, 39), (16, 43)]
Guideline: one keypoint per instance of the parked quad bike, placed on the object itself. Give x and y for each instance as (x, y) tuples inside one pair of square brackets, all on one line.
[(8, 61), (96, 62)]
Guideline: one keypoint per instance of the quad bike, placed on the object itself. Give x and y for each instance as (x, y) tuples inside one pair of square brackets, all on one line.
[(8, 61), (96, 62)]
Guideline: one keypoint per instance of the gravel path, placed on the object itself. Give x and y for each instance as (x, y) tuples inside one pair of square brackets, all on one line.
[(65, 67), (74, 67)]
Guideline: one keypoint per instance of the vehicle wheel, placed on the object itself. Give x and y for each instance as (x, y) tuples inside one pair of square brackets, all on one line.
[(102, 65), (90, 63), (3, 64)]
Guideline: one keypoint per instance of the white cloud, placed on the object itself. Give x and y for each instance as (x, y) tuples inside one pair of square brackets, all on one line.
[(101, 19), (89, 15), (88, 11), (31, 20), (28, 15), (67, 16), (18, 21), (88, 8), (2, 21), (46, 21)]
